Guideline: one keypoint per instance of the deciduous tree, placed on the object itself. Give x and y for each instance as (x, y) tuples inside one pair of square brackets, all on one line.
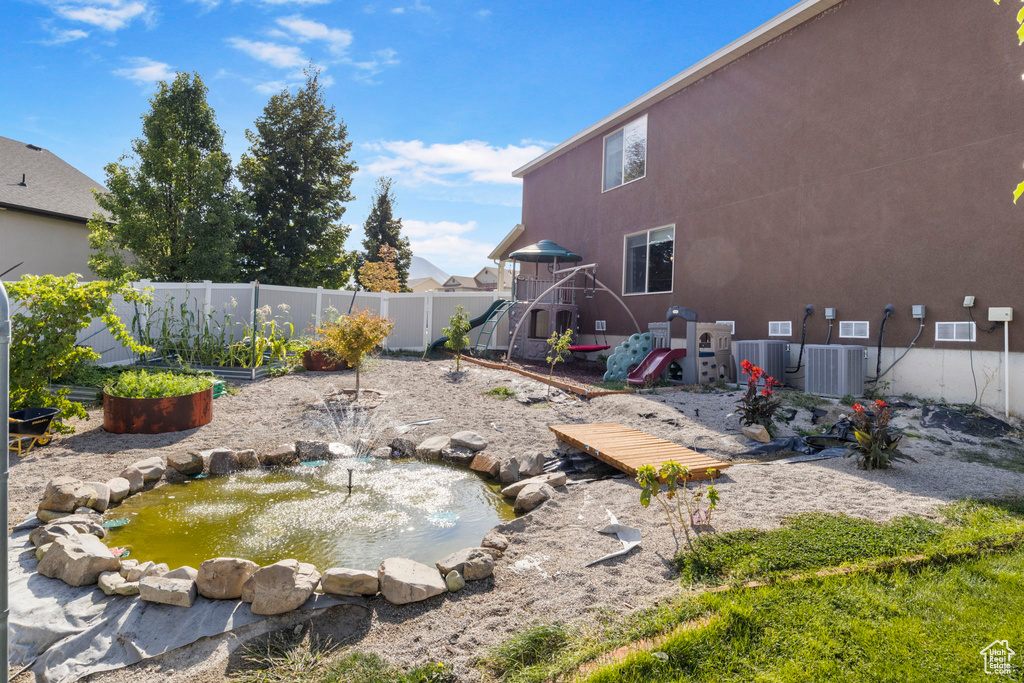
[(381, 275)]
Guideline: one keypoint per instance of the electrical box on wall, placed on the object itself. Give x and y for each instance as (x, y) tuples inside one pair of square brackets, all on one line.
[(830, 314), (968, 302), (996, 315), (917, 310)]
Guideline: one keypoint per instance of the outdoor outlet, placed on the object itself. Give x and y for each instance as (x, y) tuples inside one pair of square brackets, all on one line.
[(918, 310), (968, 302), (830, 314), (1000, 315)]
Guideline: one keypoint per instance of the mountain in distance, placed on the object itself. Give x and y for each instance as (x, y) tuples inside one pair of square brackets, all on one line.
[(421, 267)]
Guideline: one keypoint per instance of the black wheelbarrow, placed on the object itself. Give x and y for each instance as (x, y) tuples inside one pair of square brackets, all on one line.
[(31, 425)]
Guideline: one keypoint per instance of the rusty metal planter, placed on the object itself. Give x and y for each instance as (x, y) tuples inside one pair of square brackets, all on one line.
[(157, 415), (318, 362)]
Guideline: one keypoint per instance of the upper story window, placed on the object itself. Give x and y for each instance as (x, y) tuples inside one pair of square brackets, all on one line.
[(648, 266), (625, 154)]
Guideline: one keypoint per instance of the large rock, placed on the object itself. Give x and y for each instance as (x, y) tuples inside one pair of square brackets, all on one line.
[(495, 542), (487, 464), (127, 588), (67, 526), (77, 560), (282, 456), (458, 455), (531, 464), (509, 473), (119, 488), (135, 478), (61, 494), (47, 516), (152, 468), (247, 459), (223, 461), (222, 578), (178, 592), (102, 501), (146, 569), (470, 440), (183, 572), (109, 582), (403, 581), (553, 479), (342, 581), (186, 463), (280, 587), (406, 448), (472, 563), (383, 453), (127, 566), (532, 496), (757, 433), (323, 450), (42, 550), (431, 448)]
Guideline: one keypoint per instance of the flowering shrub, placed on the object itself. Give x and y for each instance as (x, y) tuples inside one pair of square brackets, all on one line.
[(876, 445), (758, 406)]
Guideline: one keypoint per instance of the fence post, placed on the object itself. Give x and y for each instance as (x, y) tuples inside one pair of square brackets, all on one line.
[(319, 307), (208, 299), (384, 299), (428, 318)]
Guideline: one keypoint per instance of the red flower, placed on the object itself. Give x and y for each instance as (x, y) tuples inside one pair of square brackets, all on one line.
[(746, 365), (766, 392), (858, 407), (881, 404)]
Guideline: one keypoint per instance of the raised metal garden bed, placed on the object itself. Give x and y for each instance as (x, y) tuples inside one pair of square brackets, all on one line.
[(224, 372)]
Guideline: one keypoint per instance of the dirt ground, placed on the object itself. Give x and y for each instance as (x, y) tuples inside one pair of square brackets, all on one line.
[(541, 577)]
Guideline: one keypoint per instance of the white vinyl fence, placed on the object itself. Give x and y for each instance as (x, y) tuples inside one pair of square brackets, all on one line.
[(419, 318)]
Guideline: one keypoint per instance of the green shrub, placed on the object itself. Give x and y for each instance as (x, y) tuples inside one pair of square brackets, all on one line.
[(141, 384), (500, 392)]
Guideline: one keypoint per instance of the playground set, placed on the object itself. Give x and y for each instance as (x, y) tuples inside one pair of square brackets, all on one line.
[(541, 305)]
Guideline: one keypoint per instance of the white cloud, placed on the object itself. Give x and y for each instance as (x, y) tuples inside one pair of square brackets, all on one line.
[(305, 30), (371, 67), (211, 4), (284, 56), (450, 164), (397, 10), (414, 229), (484, 13), (445, 244), (61, 37), (145, 70), (110, 15), (417, 6)]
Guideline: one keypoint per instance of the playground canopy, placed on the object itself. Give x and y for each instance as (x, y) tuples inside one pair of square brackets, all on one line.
[(545, 251)]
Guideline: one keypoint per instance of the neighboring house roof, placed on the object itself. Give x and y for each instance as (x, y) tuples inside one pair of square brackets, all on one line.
[(52, 186), (490, 272), (460, 282), (791, 18), (413, 283)]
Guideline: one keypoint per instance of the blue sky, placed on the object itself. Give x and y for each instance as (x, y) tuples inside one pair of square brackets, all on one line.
[(446, 97)]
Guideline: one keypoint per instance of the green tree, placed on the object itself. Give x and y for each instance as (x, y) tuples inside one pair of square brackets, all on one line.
[(170, 207), (458, 334), (382, 228), (295, 181)]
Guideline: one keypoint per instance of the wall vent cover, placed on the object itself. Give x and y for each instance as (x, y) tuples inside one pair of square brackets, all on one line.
[(854, 329), (780, 328), (835, 370), (600, 325), (956, 332), (767, 354)]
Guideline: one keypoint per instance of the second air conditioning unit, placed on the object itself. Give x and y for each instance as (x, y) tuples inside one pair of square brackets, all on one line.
[(767, 354), (835, 370)]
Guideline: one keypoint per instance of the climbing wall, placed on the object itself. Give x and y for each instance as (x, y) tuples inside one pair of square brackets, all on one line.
[(627, 354)]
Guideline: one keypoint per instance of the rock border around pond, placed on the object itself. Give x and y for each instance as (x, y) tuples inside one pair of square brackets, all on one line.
[(68, 543)]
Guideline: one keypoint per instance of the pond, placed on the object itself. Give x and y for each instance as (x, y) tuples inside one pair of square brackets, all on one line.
[(404, 508)]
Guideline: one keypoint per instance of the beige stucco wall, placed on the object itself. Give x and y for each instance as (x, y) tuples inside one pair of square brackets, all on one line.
[(46, 245)]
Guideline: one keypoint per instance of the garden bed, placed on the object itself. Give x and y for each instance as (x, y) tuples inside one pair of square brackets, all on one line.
[(234, 374)]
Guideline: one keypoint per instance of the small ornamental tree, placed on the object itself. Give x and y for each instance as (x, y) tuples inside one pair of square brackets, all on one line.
[(50, 313), (381, 275), (758, 407), (458, 334), (558, 351), (700, 503), (355, 335)]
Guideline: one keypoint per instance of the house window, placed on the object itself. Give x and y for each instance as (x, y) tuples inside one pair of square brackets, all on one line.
[(956, 332), (780, 328), (854, 329), (649, 258), (625, 154)]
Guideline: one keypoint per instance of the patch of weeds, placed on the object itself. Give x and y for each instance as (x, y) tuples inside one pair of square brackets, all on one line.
[(613, 385), (282, 657), (848, 400), (1007, 456), (521, 658), (799, 399), (806, 432), (358, 667), (500, 392)]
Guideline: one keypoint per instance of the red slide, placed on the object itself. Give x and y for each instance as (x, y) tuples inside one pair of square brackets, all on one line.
[(655, 363)]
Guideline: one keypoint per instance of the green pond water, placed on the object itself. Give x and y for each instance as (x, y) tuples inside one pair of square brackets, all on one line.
[(412, 509)]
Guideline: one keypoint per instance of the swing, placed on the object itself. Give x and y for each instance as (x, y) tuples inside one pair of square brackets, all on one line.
[(591, 293)]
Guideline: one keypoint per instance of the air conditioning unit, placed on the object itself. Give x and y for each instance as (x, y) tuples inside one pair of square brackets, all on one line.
[(767, 354), (835, 370)]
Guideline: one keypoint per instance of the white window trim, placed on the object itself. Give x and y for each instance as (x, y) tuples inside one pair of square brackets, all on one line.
[(727, 322), (865, 323), (604, 156), (974, 332), (789, 323), (647, 272)]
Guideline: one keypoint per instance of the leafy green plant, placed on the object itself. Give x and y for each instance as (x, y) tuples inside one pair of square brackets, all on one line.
[(142, 384), (500, 392), (700, 503), (458, 334), (353, 336), (848, 400), (758, 407), (876, 445), (558, 351), (50, 312)]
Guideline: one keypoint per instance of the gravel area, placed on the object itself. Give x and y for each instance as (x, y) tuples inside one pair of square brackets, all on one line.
[(541, 577)]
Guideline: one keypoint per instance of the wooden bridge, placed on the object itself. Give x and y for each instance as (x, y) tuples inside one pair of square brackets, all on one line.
[(627, 449)]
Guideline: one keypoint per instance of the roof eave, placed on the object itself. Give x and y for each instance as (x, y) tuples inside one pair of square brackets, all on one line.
[(43, 212), (791, 18)]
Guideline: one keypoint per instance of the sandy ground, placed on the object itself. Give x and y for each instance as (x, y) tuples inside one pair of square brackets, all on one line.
[(541, 577)]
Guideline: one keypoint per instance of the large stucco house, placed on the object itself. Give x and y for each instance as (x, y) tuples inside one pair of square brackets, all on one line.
[(849, 155)]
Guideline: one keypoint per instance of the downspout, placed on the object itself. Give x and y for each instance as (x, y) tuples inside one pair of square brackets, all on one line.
[(5, 470)]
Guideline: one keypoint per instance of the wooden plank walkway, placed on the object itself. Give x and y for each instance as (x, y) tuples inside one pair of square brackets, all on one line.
[(627, 449)]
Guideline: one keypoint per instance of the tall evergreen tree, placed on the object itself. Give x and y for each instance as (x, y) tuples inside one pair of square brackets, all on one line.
[(295, 180), (170, 206), (382, 228)]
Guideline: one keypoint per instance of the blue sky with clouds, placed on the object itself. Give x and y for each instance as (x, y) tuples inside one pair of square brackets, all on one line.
[(447, 97)]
